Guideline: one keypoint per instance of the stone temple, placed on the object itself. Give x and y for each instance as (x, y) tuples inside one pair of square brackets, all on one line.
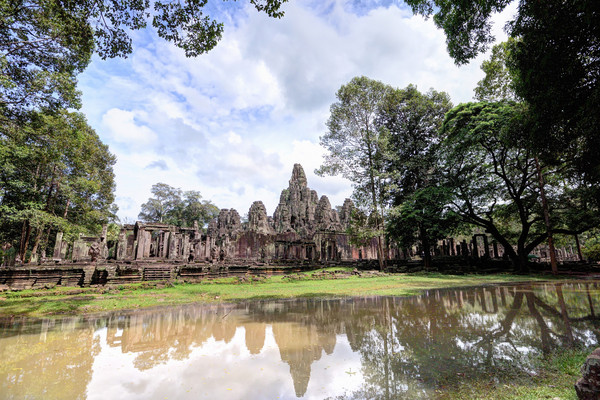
[(304, 228), (304, 233)]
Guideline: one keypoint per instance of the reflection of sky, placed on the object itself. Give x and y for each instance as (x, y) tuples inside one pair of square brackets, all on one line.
[(283, 349), (219, 370)]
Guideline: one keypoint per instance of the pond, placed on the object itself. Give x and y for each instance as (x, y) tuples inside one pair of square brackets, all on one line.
[(381, 347)]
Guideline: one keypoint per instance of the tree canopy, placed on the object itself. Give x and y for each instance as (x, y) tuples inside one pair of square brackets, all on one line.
[(412, 121), (557, 62), (45, 44), (171, 205), (355, 142), (55, 174)]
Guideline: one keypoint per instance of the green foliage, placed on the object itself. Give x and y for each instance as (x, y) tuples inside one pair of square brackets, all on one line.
[(55, 174), (466, 23), (354, 141), (553, 63), (557, 59), (172, 206), (493, 175), (591, 247), (355, 145), (45, 44), (499, 81), (362, 229), (412, 120)]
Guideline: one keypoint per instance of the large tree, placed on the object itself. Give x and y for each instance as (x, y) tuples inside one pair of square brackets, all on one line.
[(171, 205), (355, 144), (55, 173), (495, 179), (412, 121), (555, 61), (45, 44)]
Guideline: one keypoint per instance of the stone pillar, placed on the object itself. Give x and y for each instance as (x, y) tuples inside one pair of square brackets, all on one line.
[(172, 246), (131, 246), (495, 245), (103, 243), (486, 247), (141, 243), (196, 231), (121, 250), (475, 252), (147, 242), (164, 245), (186, 248), (58, 246)]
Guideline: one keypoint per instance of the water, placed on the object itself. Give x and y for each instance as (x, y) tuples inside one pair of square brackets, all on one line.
[(355, 348)]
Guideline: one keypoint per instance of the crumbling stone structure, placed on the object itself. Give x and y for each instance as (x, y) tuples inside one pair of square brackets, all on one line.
[(303, 228), (588, 386)]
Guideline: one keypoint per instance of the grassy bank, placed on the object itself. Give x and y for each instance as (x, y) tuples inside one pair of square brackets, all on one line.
[(62, 301), (553, 378)]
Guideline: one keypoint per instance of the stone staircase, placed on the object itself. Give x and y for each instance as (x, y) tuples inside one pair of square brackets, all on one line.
[(157, 273)]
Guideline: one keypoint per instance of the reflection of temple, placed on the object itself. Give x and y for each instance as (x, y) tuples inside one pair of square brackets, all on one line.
[(299, 346), (408, 346)]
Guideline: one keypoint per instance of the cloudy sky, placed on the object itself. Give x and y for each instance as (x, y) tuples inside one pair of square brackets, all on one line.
[(231, 123)]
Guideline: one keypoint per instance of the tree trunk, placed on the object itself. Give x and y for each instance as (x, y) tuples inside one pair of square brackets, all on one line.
[(521, 263), (579, 254), (426, 247), (25, 240), (36, 243), (546, 217)]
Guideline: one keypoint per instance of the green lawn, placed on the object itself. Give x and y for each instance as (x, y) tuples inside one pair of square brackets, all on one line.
[(61, 300)]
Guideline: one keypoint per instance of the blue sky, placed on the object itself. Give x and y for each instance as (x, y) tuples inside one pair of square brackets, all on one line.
[(231, 123)]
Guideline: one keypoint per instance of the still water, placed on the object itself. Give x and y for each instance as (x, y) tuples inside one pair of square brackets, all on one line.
[(381, 347)]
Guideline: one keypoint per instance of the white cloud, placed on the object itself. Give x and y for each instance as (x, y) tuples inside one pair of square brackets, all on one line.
[(233, 122), (122, 128)]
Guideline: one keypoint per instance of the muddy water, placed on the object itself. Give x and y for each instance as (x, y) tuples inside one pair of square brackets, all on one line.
[(314, 349)]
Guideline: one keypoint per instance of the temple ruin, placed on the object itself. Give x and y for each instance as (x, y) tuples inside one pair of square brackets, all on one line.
[(304, 227), (304, 233)]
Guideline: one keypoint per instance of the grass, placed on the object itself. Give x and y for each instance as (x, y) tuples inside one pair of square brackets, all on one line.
[(69, 301), (554, 379)]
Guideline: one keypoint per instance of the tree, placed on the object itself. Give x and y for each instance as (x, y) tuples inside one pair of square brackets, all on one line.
[(163, 205), (494, 178), (500, 84), (466, 23), (55, 174), (196, 209), (557, 59), (45, 44), (499, 81), (168, 207), (355, 146), (412, 121)]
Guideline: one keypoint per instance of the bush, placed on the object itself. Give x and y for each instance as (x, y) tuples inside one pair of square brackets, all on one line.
[(591, 251)]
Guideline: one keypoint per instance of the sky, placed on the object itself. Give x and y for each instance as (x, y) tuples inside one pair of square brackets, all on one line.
[(232, 123)]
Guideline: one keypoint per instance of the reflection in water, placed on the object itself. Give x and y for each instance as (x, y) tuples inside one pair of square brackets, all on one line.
[(360, 348)]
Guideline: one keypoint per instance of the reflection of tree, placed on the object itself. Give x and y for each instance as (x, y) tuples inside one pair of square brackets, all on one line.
[(409, 347), (420, 344)]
